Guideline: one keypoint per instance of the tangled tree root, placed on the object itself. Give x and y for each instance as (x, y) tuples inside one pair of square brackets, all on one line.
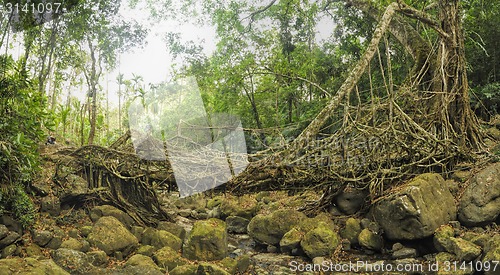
[(117, 178)]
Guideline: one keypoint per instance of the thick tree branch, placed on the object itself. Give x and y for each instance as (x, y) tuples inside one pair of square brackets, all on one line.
[(313, 128), (422, 17)]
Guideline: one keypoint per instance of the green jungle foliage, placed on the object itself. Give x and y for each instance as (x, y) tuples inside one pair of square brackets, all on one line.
[(22, 114)]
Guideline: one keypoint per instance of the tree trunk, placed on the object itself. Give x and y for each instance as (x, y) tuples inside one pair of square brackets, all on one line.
[(92, 81), (452, 102)]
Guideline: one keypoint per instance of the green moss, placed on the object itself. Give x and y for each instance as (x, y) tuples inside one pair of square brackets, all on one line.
[(168, 258), (442, 237), (207, 241), (321, 241)]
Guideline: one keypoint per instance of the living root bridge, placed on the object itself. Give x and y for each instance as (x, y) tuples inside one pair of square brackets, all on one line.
[(390, 136)]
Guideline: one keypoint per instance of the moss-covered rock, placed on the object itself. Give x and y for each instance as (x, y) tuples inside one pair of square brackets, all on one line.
[(9, 250), (464, 250), (72, 260), (291, 240), (370, 240), (141, 260), (34, 251), (160, 238), (110, 235), (351, 230), (30, 266), (165, 238), (269, 229), (321, 241), (146, 250), (238, 265), (244, 206), (309, 224), (480, 239), (442, 237), (207, 241), (168, 259), (85, 230), (72, 243), (444, 240), (42, 237), (416, 210)]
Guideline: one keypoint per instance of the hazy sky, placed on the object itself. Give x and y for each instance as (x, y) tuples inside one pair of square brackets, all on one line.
[(153, 61)]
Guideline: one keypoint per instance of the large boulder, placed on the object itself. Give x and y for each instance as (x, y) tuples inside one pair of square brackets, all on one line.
[(30, 266), (74, 186), (319, 242), (269, 229), (416, 209), (207, 241), (480, 203), (110, 235)]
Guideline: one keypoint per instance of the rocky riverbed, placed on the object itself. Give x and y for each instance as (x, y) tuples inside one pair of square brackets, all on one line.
[(427, 225)]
